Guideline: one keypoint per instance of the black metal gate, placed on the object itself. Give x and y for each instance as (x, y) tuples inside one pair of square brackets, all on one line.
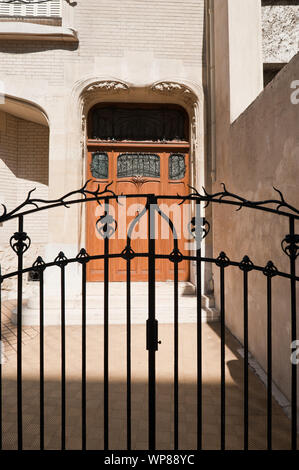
[(20, 243)]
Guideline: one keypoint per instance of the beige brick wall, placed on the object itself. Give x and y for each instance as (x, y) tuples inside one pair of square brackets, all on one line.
[(23, 165), (111, 28)]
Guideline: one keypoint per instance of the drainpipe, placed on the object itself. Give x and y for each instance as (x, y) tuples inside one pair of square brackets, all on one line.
[(211, 84)]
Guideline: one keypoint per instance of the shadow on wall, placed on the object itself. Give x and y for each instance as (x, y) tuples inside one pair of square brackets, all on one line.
[(24, 151), (18, 47)]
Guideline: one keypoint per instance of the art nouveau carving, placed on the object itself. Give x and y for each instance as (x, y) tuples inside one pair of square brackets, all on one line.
[(108, 85)]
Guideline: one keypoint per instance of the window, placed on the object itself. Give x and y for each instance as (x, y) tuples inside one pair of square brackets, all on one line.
[(51, 8), (138, 164), (155, 123), (177, 166), (99, 165)]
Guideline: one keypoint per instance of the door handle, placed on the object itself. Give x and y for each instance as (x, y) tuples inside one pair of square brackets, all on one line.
[(152, 341)]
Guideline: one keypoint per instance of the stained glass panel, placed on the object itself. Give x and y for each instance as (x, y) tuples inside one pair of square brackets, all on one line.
[(177, 166), (99, 165), (138, 164)]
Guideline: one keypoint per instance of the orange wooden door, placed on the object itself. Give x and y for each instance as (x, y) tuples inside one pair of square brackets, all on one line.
[(137, 171)]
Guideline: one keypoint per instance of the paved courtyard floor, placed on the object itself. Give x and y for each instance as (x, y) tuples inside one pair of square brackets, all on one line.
[(117, 390)]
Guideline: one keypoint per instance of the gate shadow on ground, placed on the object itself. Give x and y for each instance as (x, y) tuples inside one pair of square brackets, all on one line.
[(117, 393)]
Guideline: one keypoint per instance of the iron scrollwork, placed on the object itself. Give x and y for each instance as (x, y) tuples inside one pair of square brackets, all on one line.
[(231, 198), (222, 260), (128, 253), (202, 229), (39, 204), (20, 242), (38, 268), (246, 264), (290, 245), (270, 269), (106, 225), (61, 260), (31, 204), (82, 256), (176, 256)]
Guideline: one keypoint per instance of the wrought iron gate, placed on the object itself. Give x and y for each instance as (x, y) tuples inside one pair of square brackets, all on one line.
[(20, 243)]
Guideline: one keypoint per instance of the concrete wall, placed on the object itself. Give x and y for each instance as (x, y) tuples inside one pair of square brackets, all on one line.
[(280, 32), (245, 53), (258, 151)]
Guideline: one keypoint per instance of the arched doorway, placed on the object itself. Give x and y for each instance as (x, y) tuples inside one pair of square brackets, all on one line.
[(141, 149)]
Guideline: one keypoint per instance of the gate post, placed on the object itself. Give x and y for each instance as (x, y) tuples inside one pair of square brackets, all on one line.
[(20, 243), (151, 324), (290, 246)]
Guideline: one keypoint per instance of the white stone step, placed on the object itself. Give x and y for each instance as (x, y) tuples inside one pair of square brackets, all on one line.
[(117, 305)]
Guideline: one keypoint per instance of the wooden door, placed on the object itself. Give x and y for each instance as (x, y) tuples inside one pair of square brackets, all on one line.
[(137, 170)]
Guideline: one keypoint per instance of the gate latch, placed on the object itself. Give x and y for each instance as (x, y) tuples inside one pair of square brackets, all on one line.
[(152, 335)]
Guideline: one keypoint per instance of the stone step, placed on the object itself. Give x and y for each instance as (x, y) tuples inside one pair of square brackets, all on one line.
[(94, 316)]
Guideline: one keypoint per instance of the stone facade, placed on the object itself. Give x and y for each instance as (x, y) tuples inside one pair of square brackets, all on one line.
[(129, 51)]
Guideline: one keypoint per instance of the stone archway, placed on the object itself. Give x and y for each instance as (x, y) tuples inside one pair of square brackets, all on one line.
[(189, 95)]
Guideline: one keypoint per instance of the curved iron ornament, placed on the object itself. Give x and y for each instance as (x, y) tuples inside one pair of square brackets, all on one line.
[(61, 260), (200, 230), (106, 225), (290, 246), (222, 261), (270, 270), (82, 257), (20, 242), (246, 264), (128, 253), (42, 204), (39, 264), (31, 205), (226, 197)]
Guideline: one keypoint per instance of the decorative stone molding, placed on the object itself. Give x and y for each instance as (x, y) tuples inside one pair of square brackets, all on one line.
[(108, 85), (174, 88)]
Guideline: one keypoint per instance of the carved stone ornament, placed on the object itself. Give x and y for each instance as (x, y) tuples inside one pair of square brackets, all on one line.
[(172, 88), (108, 85)]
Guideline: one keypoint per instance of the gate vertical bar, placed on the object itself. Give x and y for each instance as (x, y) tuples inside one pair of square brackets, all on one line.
[(245, 294), (62, 357), (19, 335), (269, 363), (83, 392), (151, 201), (128, 354), (41, 360), (176, 358), (106, 331), (199, 328), (222, 335), (293, 255)]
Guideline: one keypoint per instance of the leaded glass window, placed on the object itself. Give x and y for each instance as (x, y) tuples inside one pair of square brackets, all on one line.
[(138, 164), (177, 166), (99, 165)]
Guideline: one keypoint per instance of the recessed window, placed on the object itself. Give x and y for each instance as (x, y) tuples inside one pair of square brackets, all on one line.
[(138, 164), (132, 123), (99, 165), (177, 166)]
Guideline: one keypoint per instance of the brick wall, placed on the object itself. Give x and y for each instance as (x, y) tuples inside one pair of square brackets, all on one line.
[(23, 166)]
